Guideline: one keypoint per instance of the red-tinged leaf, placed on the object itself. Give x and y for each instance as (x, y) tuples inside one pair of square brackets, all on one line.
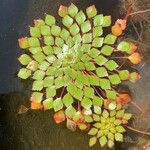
[(135, 58), (23, 42), (122, 23), (134, 76), (123, 98), (59, 116), (133, 47), (63, 11), (36, 105), (38, 22), (116, 30), (124, 121), (91, 11)]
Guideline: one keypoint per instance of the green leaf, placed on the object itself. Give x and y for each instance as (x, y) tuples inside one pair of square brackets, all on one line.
[(98, 20), (96, 118), (48, 81), (97, 42), (24, 73), (86, 26), (87, 38), (110, 94), (101, 72), (94, 52), (120, 129), (114, 79), (112, 105), (93, 131), (105, 113), (88, 92), (57, 50), (112, 113), (79, 94), (35, 32), (110, 39), (70, 111), (64, 34), (119, 137), (67, 21), (57, 104), (48, 50), (59, 82), (51, 59), (85, 48), (90, 66), (103, 141), (74, 29), (97, 31), (111, 65), (100, 133), (77, 116), (93, 80), (72, 89), (86, 103), (48, 103), (37, 85), (105, 84), (50, 92), (92, 141), (37, 96), (34, 50), (24, 59), (127, 116), (59, 42), (97, 125), (38, 75), (120, 113), (82, 126), (33, 42), (72, 10), (50, 20), (67, 100), (107, 50), (97, 101), (33, 65), (110, 136), (55, 30), (88, 118), (80, 17), (48, 40), (106, 21), (117, 122), (124, 47), (70, 42), (91, 11), (39, 56), (50, 71), (77, 38), (97, 109), (100, 60), (45, 30), (124, 74), (43, 65)]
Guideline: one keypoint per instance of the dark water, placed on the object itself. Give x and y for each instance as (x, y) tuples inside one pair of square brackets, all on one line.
[(36, 130)]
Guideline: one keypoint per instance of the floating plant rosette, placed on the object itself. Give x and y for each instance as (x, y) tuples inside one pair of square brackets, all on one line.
[(75, 71)]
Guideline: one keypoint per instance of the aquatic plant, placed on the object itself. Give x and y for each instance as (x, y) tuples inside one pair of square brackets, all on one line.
[(75, 71)]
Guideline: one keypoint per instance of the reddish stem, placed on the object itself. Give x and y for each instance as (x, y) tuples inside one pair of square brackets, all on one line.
[(138, 131), (128, 12)]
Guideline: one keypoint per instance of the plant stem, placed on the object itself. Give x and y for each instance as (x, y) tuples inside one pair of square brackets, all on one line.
[(62, 92), (128, 12), (139, 12), (138, 131), (137, 106)]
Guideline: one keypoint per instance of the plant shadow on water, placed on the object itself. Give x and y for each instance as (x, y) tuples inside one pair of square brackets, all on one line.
[(36, 130)]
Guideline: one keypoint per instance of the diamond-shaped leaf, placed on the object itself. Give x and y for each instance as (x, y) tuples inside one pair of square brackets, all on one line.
[(100, 60), (86, 26), (64, 34), (91, 11), (48, 50), (57, 104), (48, 40), (103, 141), (24, 59), (48, 103), (67, 21), (90, 66), (110, 94), (38, 75), (33, 42), (77, 116), (50, 91), (120, 113), (97, 42), (55, 30), (23, 43), (59, 42), (110, 143), (88, 92), (74, 29), (110, 39), (114, 79), (127, 116), (63, 11), (97, 109), (98, 20), (77, 38), (80, 17), (50, 20), (124, 74), (24, 73), (70, 111), (39, 56), (87, 38), (107, 50), (105, 84), (45, 30), (105, 113), (86, 103), (37, 85), (111, 65), (37, 97), (97, 31), (67, 100), (119, 137), (88, 118), (106, 21), (120, 129), (101, 72), (94, 52), (48, 81), (124, 46), (72, 10), (93, 131), (71, 88), (34, 50), (79, 94), (97, 101), (43, 65), (92, 141), (35, 32)]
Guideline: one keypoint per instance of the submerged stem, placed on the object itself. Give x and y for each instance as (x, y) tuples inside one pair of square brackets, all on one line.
[(137, 130), (137, 106)]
